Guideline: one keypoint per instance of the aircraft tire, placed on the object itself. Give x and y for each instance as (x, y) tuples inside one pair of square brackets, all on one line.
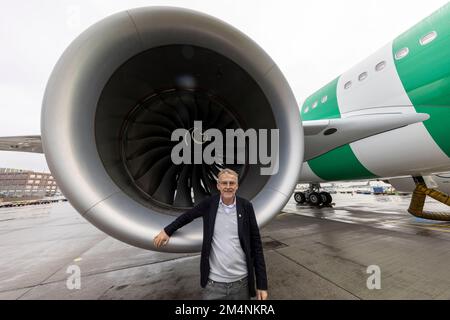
[(326, 198), (315, 199), (300, 197)]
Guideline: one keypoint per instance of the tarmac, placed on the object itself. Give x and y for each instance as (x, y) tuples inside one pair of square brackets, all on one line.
[(310, 253)]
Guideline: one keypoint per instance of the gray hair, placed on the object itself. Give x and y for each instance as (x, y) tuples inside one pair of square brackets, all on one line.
[(228, 171)]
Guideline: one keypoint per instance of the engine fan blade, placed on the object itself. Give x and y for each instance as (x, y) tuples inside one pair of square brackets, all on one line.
[(199, 193), (183, 196), (166, 188)]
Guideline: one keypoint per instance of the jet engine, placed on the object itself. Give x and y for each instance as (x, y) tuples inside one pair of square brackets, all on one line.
[(125, 84)]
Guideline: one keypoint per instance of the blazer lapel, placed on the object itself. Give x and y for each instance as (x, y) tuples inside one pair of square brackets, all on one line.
[(239, 216)]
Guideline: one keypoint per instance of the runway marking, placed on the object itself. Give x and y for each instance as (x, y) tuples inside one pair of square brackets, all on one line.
[(435, 229)]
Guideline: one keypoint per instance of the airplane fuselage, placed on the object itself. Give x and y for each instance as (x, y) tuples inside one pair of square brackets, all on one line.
[(411, 74)]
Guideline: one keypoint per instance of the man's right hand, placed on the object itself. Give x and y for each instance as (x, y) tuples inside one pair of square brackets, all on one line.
[(161, 239)]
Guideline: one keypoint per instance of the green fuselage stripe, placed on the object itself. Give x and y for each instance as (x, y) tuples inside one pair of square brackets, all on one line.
[(425, 73), (324, 110), (339, 164)]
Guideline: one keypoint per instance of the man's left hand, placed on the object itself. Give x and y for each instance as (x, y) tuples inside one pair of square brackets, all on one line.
[(261, 294)]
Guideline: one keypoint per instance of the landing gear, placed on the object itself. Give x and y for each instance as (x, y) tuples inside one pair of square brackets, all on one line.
[(313, 196), (315, 199), (299, 197), (326, 198)]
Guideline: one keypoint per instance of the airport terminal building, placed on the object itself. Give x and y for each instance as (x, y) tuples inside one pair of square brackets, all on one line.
[(24, 184)]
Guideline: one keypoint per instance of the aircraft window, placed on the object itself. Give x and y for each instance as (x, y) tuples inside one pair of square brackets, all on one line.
[(362, 76), (314, 105), (306, 110), (400, 54), (426, 39), (347, 85), (324, 99), (380, 66)]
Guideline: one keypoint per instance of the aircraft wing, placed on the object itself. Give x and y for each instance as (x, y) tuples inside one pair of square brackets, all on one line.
[(322, 136), (21, 143)]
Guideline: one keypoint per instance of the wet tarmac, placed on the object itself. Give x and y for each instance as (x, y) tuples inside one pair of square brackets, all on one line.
[(310, 254)]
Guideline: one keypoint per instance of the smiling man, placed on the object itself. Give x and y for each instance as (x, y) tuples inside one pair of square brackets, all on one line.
[(232, 253)]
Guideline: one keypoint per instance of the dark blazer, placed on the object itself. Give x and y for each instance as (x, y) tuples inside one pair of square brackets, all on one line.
[(248, 235)]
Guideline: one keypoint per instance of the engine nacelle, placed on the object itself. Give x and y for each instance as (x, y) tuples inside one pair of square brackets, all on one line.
[(125, 84)]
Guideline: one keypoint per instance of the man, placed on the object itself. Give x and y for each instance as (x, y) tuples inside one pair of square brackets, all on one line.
[(232, 252)]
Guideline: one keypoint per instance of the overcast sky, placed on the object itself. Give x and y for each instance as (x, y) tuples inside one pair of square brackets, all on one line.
[(311, 41)]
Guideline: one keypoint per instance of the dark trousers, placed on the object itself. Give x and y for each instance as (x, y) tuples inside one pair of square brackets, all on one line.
[(237, 290)]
